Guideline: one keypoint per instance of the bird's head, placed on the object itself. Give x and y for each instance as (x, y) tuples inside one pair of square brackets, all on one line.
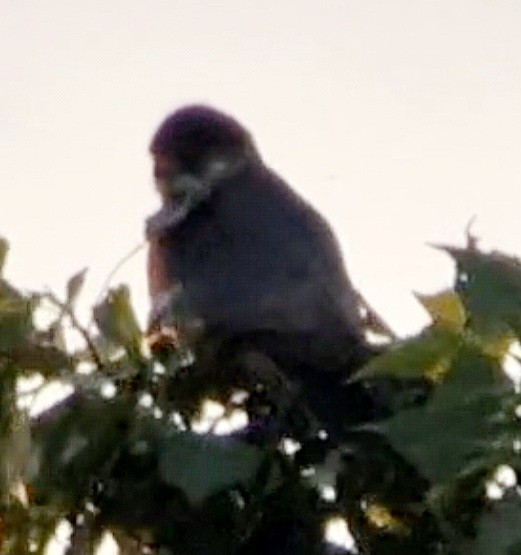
[(196, 144)]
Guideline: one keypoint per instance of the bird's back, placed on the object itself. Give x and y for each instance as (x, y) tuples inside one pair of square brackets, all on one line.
[(258, 257)]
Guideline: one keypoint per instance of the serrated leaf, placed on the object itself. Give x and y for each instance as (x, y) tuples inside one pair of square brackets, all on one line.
[(445, 309), (458, 423), (116, 320), (203, 465), (74, 286)]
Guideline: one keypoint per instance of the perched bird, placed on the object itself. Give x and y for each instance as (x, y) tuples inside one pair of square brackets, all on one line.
[(242, 253)]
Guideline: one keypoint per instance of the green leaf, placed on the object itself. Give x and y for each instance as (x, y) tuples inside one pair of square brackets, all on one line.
[(46, 360), (490, 286), (15, 317), (74, 286), (204, 465), (499, 529), (4, 248), (71, 442), (423, 356), (14, 450), (458, 424), (116, 320), (445, 309)]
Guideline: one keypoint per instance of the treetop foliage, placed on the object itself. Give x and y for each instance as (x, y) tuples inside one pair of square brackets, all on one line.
[(174, 456)]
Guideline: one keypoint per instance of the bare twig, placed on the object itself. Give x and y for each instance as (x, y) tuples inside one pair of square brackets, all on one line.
[(117, 267), (472, 240), (76, 324)]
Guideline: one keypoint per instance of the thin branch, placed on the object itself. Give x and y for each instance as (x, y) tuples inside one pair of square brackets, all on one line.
[(117, 267), (472, 240), (76, 324)]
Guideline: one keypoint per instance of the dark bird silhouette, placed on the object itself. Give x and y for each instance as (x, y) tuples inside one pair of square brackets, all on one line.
[(244, 255)]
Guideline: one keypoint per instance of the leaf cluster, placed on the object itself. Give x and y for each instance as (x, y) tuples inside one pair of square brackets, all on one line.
[(169, 451)]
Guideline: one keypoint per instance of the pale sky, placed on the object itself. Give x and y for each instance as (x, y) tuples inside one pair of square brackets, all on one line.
[(398, 119)]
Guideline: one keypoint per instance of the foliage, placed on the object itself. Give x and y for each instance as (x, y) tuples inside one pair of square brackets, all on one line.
[(173, 454)]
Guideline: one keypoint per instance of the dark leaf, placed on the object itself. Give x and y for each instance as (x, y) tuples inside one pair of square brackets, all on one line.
[(202, 465), (457, 424), (74, 286), (72, 442), (47, 360), (499, 530), (490, 286), (15, 317), (4, 248)]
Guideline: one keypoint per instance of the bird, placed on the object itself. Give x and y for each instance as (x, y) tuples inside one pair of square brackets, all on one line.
[(251, 262)]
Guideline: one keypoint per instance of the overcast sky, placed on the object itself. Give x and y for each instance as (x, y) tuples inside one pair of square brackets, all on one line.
[(398, 119)]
